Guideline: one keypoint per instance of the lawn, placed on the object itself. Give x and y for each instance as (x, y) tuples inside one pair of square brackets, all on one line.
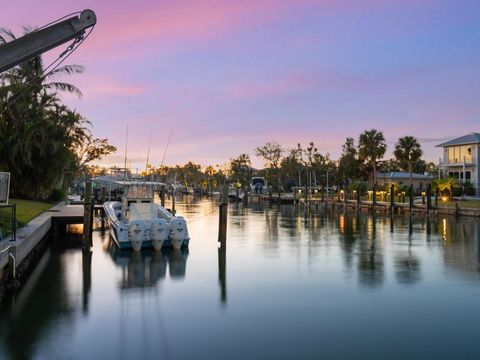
[(28, 209)]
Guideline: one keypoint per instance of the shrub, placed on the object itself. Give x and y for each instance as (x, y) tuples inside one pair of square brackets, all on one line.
[(56, 195)]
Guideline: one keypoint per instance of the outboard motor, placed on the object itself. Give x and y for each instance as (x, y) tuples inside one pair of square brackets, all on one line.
[(136, 233), (178, 232), (159, 230)]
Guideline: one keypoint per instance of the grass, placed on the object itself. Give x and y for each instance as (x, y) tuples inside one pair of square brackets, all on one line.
[(26, 211)]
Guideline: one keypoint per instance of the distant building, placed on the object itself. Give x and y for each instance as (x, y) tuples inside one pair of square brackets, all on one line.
[(461, 159), (419, 181)]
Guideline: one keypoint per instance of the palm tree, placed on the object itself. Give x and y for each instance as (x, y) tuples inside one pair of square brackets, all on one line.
[(407, 151), (371, 148)]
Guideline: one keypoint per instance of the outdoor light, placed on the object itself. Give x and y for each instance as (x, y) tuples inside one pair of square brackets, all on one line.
[(444, 198)]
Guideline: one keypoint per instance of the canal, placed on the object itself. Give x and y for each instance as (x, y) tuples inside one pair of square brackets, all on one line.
[(291, 284)]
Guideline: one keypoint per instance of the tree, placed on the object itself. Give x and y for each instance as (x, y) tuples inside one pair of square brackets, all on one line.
[(408, 151), (349, 165), (372, 147), (241, 170), (272, 154)]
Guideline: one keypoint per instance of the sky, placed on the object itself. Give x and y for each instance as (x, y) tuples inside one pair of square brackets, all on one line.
[(224, 77)]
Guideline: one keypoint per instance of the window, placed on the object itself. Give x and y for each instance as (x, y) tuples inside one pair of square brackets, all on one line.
[(467, 175)]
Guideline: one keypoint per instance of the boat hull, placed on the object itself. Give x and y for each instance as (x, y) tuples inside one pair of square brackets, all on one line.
[(119, 233)]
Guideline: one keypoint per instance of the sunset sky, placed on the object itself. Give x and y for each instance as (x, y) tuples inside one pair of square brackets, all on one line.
[(228, 76)]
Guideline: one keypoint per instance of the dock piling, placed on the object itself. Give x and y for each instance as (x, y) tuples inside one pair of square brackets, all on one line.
[(429, 198), (410, 198), (222, 221), (392, 198), (162, 195), (87, 214)]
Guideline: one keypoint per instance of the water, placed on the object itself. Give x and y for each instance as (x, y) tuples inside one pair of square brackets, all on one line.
[(289, 285)]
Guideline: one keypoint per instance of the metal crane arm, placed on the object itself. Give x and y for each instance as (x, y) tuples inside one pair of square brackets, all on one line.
[(37, 42)]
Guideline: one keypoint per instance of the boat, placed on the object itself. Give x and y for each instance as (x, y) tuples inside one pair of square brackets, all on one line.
[(138, 222), (258, 185)]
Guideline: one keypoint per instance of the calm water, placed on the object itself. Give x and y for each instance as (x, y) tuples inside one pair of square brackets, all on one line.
[(289, 285)]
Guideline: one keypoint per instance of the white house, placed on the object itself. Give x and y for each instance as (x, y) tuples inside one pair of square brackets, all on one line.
[(461, 159)]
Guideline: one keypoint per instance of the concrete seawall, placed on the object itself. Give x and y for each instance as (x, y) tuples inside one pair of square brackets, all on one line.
[(31, 235)]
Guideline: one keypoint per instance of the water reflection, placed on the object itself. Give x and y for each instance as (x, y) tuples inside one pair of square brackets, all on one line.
[(316, 271), (222, 276), (146, 268)]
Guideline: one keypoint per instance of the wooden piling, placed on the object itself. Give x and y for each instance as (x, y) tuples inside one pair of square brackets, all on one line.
[(358, 197), (223, 212), (411, 198), (374, 197), (173, 201), (87, 214), (392, 198), (429, 198), (162, 195), (245, 195)]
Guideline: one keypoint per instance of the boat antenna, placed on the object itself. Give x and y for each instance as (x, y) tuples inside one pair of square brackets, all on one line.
[(166, 147), (125, 162)]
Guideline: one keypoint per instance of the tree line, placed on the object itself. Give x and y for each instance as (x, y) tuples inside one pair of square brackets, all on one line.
[(305, 165)]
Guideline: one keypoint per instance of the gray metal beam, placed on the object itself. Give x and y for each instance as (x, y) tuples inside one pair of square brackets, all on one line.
[(37, 42)]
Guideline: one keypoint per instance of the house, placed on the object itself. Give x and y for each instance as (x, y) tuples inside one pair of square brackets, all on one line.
[(461, 159), (419, 181)]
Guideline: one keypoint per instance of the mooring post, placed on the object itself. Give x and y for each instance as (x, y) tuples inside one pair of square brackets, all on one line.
[(222, 220), (245, 195), (162, 195), (323, 194), (358, 197), (392, 198), (436, 198), (411, 198), (173, 201), (87, 217), (374, 197), (429, 198), (103, 195), (344, 196)]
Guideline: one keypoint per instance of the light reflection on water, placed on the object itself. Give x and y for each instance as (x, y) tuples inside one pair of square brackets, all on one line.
[(290, 284)]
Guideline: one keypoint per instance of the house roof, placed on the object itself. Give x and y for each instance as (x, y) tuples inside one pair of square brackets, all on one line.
[(472, 138), (398, 175)]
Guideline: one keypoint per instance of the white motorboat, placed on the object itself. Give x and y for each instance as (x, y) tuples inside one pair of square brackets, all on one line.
[(138, 222)]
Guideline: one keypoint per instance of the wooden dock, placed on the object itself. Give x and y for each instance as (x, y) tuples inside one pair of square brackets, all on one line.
[(386, 207)]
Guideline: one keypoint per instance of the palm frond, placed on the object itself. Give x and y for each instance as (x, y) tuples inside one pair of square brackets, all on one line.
[(64, 87)]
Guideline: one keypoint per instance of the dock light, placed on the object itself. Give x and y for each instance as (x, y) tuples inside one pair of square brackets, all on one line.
[(444, 198), (299, 191), (424, 193)]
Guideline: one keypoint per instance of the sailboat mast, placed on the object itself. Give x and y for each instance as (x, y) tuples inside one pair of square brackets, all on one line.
[(125, 162)]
